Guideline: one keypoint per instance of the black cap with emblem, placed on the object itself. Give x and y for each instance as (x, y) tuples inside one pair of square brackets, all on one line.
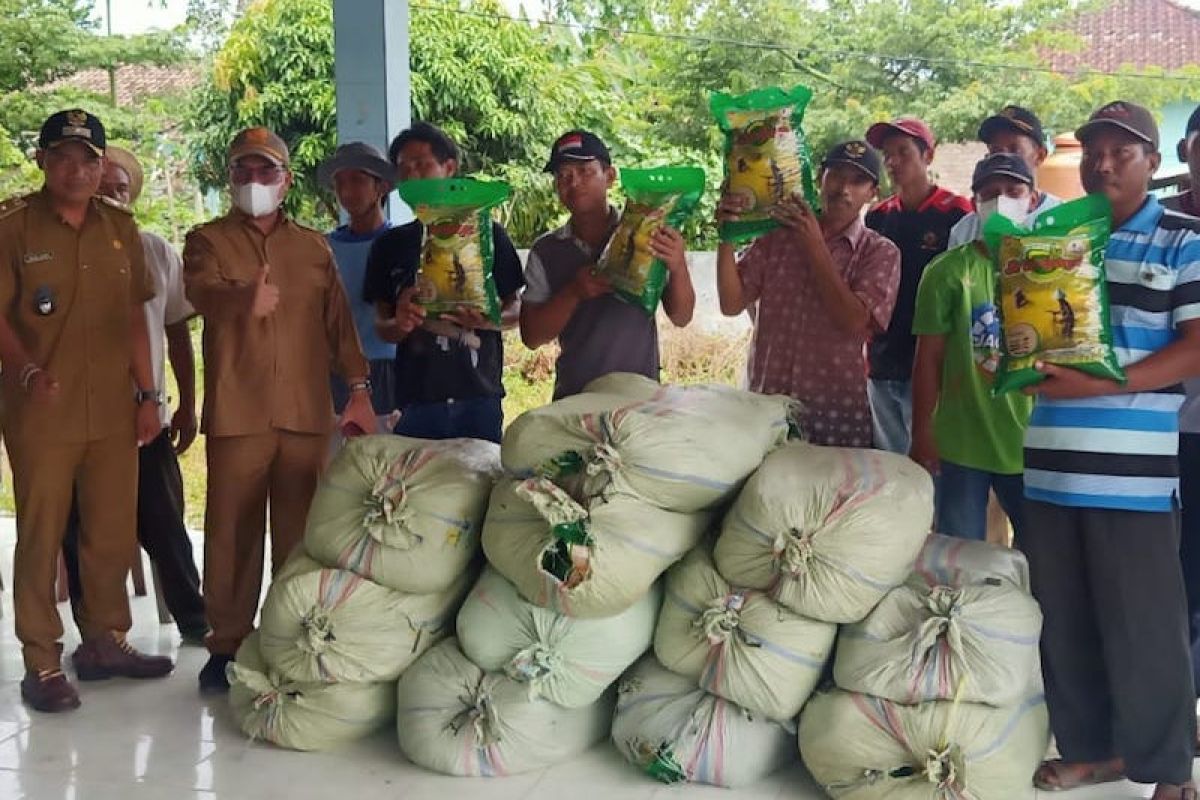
[(857, 154), (1013, 118), (73, 125)]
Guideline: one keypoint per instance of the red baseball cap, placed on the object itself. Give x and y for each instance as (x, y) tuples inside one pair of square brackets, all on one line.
[(909, 126)]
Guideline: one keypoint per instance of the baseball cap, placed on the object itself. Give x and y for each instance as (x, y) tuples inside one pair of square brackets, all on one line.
[(1015, 118), (360, 156), (909, 126), (259, 141), (1122, 114), (1005, 164), (577, 146), (73, 125), (128, 162), (858, 154)]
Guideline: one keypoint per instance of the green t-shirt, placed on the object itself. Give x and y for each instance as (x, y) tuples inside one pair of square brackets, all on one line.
[(972, 428)]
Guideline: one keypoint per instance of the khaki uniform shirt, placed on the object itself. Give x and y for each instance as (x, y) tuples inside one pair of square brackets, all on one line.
[(272, 373), (69, 296)]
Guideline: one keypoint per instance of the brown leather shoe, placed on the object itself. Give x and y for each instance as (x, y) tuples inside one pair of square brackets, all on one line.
[(112, 657), (49, 690)]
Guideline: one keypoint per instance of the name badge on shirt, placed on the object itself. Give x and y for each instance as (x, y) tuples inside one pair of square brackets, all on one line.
[(37, 258)]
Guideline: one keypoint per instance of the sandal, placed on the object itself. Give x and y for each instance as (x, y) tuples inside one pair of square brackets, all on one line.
[(1061, 776)]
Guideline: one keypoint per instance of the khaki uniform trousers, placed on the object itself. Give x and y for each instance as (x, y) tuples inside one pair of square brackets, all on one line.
[(45, 474), (245, 473)]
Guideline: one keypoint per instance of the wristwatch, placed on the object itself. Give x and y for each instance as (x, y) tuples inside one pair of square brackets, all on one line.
[(153, 395)]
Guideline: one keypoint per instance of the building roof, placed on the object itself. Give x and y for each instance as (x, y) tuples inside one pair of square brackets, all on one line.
[(135, 81), (1138, 33)]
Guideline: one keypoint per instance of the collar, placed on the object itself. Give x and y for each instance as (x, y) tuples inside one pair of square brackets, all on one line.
[(568, 233), (342, 233), (1146, 219), (852, 233), (247, 221)]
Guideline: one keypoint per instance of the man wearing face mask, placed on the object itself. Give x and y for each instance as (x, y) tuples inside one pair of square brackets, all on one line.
[(275, 318), (823, 283), (1017, 131), (968, 440)]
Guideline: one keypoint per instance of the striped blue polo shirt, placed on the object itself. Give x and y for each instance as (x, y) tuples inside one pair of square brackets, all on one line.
[(1121, 451)]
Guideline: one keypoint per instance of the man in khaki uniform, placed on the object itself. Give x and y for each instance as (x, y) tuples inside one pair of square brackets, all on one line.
[(275, 319), (79, 398)]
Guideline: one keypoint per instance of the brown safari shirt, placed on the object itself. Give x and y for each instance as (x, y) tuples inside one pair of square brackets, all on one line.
[(69, 296), (272, 373)]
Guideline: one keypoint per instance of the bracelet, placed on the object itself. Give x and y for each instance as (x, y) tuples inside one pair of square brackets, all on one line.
[(28, 372), (361, 386)]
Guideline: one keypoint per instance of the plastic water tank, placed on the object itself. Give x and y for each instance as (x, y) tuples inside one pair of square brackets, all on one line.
[(1059, 174)]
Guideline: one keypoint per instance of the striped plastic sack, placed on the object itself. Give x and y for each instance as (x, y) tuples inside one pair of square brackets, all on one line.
[(739, 644), (405, 513), (330, 625), (951, 561), (303, 716), (867, 748), (681, 448), (581, 562), (456, 719), (827, 531), (565, 660), (675, 732), (978, 641)]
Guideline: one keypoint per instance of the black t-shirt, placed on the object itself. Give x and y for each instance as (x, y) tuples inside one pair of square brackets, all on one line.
[(429, 368), (921, 235)]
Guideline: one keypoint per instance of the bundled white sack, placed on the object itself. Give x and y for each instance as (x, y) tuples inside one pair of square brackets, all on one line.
[(828, 531), (682, 448), (739, 644), (950, 561), (565, 660), (978, 642), (580, 562), (405, 513), (303, 716), (330, 625), (867, 748), (454, 718), (675, 732)]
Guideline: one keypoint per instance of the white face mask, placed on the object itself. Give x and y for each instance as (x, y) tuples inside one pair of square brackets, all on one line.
[(1014, 208), (256, 199)]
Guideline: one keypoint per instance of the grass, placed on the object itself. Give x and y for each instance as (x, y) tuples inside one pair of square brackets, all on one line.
[(689, 356)]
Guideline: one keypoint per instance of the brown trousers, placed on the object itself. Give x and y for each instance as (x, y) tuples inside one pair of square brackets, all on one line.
[(244, 474), (45, 474)]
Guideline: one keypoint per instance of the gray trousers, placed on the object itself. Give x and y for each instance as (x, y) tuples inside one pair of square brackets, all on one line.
[(1115, 649)]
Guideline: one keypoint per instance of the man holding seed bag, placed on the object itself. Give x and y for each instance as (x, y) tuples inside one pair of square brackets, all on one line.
[(822, 285), (565, 300), (448, 369)]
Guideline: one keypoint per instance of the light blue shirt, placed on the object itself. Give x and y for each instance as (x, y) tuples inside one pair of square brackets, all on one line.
[(350, 251)]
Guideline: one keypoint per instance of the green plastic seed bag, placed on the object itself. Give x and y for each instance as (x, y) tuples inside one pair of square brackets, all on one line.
[(458, 253), (1053, 293), (655, 197), (767, 157)]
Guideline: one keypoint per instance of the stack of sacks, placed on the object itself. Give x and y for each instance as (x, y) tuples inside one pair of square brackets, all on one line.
[(387, 557), (606, 490), (614, 485), (939, 687), (827, 531), (733, 669)]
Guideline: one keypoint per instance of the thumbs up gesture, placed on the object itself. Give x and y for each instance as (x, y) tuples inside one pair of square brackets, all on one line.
[(266, 295)]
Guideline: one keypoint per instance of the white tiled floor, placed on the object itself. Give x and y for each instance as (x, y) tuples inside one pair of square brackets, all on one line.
[(159, 740)]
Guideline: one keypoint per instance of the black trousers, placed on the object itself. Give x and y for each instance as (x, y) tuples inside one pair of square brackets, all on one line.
[(1115, 650), (161, 532), (1189, 545)]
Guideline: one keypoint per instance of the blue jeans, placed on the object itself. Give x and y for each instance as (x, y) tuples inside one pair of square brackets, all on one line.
[(891, 414), (961, 498), (473, 418)]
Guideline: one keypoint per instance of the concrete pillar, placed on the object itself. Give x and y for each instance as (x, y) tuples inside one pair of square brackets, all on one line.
[(370, 39)]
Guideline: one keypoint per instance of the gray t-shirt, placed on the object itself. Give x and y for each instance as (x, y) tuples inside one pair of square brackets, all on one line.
[(605, 334)]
